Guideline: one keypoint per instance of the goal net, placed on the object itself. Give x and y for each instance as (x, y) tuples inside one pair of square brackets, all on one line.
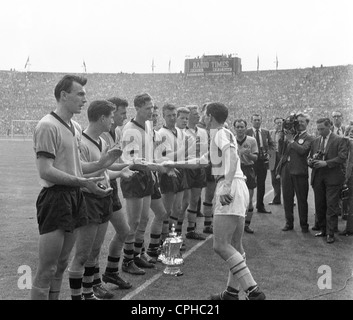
[(23, 128)]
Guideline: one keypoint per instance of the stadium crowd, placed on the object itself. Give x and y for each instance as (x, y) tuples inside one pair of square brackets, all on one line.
[(273, 93)]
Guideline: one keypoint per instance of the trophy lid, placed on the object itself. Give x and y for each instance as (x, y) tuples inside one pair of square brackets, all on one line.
[(173, 233)]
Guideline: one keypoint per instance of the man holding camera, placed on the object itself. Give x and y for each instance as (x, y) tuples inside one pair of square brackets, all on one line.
[(328, 155), (264, 144), (293, 169)]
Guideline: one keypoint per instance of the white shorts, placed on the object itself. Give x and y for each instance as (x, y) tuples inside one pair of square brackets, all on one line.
[(240, 202)]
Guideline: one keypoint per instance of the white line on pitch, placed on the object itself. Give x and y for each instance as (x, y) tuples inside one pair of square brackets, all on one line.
[(158, 275)]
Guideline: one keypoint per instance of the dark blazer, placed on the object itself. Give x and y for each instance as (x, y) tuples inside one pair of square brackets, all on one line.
[(336, 154), (343, 128), (267, 141), (298, 153)]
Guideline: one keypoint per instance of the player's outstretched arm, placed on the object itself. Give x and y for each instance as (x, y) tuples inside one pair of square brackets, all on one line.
[(107, 158)]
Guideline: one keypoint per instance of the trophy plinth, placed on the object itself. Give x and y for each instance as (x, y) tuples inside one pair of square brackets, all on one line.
[(171, 256)]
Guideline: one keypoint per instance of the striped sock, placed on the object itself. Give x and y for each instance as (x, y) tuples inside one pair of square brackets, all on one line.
[(207, 212), (75, 281), (87, 281), (112, 264), (96, 277), (191, 220), (128, 251), (179, 227), (165, 229), (137, 248), (154, 242), (240, 271)]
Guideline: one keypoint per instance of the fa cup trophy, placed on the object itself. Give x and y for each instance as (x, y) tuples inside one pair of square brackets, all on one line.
[(171, 256)]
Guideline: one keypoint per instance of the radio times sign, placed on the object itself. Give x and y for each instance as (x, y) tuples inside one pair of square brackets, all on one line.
[(214, 66)]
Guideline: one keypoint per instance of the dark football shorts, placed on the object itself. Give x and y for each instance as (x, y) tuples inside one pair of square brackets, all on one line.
[(61, 207), (116, 201), (173, 184), (99, 210), (209, 175), (139, 186), (249, 173), (156, 188), (195, 178)]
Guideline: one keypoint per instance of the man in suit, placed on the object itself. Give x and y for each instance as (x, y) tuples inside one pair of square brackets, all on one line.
[(293, 170), (327, 177), (337, 127), (264, 144), (348, 212), (276, 136)]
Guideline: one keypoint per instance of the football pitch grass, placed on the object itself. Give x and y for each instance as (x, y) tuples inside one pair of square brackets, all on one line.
[(286, 265)]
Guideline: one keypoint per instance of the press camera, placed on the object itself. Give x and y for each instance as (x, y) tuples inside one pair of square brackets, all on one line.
[(290, 124), (319, 155)]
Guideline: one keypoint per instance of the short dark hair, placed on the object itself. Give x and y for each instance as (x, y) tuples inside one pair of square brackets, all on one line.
[(277, 118), (240, 120), (326, 121), (99, 108), (218, 111), (141, 99), (119, 102), (65, 84), (255, 115)]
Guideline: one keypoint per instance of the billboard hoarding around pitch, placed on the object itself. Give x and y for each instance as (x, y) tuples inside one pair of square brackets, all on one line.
[(212, 66)]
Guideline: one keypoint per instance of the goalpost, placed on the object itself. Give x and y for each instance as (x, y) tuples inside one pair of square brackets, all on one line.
[(23, 128)]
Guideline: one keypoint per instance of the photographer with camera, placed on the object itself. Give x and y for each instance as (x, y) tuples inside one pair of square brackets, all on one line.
[(264, 144), (328, 155), (293, 169)]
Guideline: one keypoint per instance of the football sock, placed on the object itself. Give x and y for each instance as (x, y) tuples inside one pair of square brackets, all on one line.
[(113, 264), (128, 251), (97, 277), (87, 281), (39, 293), (75, 281), (191, 220), (240, 271), (55, 286)]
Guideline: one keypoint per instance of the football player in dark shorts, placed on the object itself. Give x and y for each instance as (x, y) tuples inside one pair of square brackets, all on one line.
[(61, 206), (172, 187), (196, 178), (99, 209), (118, 218), (208, 193), (137, 144)]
